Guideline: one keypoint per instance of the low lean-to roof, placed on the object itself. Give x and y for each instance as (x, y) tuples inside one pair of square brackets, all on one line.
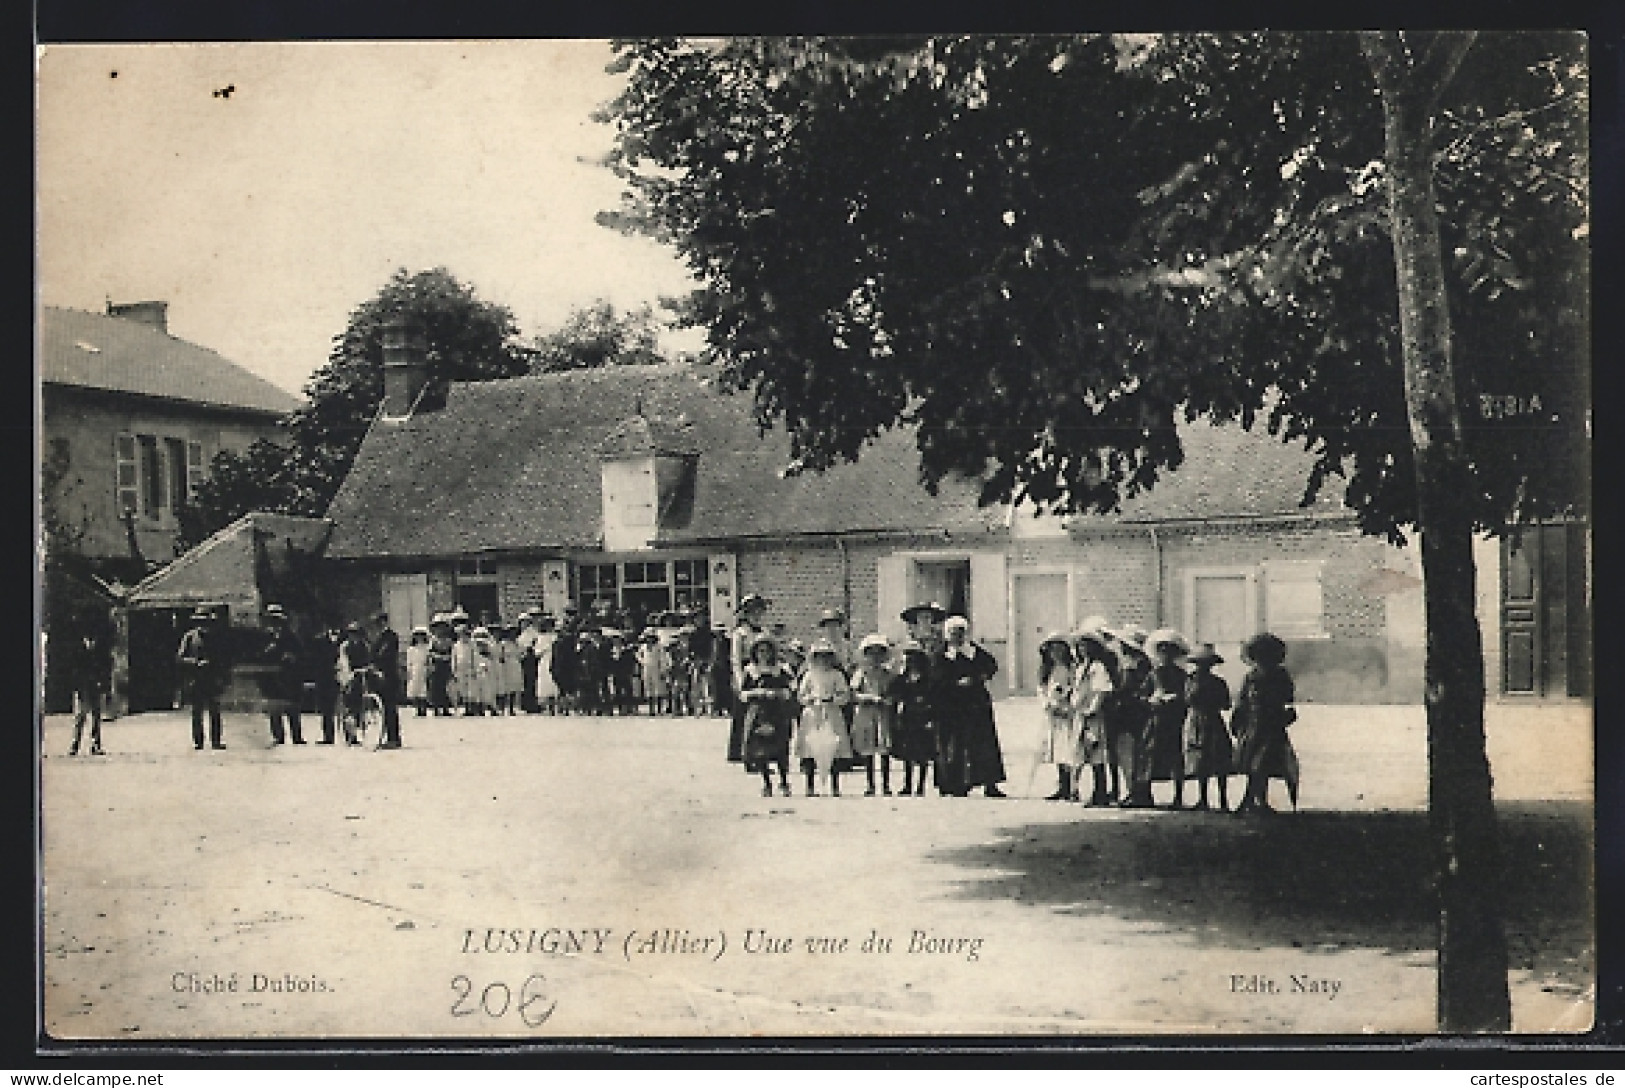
[(96, 351), (513, 466), (229, 569)]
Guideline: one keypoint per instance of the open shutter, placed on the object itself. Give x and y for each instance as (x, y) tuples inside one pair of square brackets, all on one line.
[(989, 597), (724, 588), (891, 593)]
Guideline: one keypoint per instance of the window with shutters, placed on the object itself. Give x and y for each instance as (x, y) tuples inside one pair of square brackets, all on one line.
[(1293, 602), (127, 478)]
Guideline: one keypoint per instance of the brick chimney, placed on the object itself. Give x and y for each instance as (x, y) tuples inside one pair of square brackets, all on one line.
[(154, 313), (406, 366)]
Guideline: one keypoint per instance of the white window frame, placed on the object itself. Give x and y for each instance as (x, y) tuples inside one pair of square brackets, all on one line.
[(1296, 572), (1250, 614), (197, 470), (126, 496)]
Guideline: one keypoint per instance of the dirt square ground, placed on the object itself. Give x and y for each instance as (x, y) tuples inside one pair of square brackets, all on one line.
[(542, 876)]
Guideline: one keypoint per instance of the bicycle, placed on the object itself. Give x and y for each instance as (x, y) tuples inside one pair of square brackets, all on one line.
[(371, 716)]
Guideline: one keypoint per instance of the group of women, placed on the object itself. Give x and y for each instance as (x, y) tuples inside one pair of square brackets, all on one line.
[(1130, 708)]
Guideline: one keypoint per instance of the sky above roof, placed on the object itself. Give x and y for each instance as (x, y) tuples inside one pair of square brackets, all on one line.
[(264, 190)]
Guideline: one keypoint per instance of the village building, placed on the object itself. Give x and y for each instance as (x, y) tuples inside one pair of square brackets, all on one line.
[(648, 488), (130, 419)]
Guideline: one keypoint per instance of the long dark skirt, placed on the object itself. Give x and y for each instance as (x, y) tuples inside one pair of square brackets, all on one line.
[(979, 738), (736, 733)]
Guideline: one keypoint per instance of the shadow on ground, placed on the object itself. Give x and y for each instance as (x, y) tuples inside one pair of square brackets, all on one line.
[(1318, 881)]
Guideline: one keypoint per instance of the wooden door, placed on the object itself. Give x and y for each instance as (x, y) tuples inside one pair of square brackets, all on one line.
[(1041, 601)]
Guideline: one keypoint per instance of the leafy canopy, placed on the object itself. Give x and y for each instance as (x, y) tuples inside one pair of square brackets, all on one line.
[(600, 335), (468, 339), (1041, 252)]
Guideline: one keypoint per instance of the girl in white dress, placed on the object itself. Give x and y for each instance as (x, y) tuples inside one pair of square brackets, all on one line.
[(417, 670)]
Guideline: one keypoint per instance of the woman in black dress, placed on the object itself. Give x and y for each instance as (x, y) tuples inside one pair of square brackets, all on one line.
[(970, 754)]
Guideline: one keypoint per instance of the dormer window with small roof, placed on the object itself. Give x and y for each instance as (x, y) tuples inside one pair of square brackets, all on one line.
[(647, 466)]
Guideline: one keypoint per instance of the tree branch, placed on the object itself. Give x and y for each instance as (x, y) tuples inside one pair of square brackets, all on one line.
[(1443, 55)]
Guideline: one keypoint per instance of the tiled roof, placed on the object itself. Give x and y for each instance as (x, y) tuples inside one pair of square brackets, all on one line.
[(96, 351), (513, 465), (1231, 473)]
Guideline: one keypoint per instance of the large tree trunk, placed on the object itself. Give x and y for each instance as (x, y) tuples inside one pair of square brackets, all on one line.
[(1473, 994)]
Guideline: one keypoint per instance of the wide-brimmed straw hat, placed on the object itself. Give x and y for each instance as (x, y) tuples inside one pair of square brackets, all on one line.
[(831, 615), (1205, 654), (954, 622), (1167, 636), (1133, 635), (1056, 638), (1266, 649), (936, 610), (823, 648), (874, 642)]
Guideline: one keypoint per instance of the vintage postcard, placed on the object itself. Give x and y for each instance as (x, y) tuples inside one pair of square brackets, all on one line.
[(435, 647)]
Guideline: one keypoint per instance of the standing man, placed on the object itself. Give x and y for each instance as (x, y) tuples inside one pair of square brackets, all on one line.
[(386, 658), (321, 667), (284, 654), (90, 667), (751, 613), (203, 672), (925, 627)]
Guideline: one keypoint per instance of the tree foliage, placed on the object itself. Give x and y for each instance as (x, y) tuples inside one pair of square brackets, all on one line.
[(599, 335), (1042, 251), (468, 339)]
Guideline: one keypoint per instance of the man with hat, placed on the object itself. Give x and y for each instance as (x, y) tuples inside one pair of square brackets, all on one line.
[(353, 658), (203, 672), (751, 613), (386, 658), (925, 626), (285, 655)]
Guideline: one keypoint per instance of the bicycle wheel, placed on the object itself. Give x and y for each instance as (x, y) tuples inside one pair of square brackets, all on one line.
[(372, 717)]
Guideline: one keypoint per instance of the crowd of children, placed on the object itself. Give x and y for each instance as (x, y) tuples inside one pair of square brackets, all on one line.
[(1129, 709), (539, 665), (827, 712)]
